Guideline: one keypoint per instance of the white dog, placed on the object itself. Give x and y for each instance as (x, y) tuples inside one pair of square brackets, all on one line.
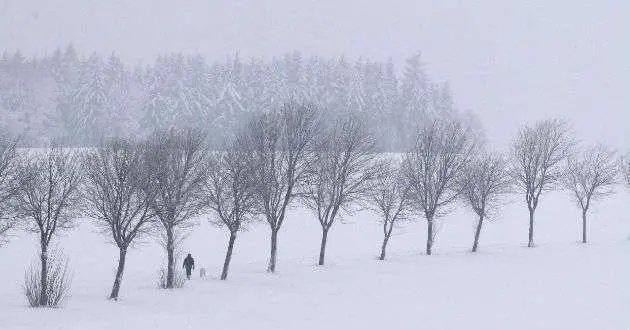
[(202, 272)]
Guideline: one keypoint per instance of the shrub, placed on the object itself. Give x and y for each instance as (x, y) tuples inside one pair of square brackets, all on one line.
[(178, 280), (59, 279)]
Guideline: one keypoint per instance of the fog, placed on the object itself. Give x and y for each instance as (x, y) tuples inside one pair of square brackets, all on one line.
[(508, 62), (324, 141)]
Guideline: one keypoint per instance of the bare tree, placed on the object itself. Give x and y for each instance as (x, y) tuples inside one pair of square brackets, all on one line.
[(281, 145), (484, 182), (591, 176), (431, 168), (342, 175), (9, 185), (230, 194), (537, 158), (625, 169), (118, 193), (176, 163), (49, 200), (390, 198)]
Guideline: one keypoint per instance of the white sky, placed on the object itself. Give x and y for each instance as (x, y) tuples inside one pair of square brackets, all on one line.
[(510, 62)]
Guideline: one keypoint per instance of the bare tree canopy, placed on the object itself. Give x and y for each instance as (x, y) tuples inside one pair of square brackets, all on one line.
[(537, 161), (118, 193), (49, 199), (343, 173), (591, 176), (176, 162), (390, 198), (432, 166), (484, 181), (230, 193), (9, 185), (281, 145)]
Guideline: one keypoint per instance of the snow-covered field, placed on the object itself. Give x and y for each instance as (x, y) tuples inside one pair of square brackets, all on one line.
[(560, 284)]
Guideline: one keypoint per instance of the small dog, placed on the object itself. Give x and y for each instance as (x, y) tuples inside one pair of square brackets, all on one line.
[(202, 272)]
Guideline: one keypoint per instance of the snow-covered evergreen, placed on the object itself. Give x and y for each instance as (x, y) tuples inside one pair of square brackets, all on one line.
[(80, 100)]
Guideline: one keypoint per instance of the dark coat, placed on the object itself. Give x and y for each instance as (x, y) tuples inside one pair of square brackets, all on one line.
[(189, 263)]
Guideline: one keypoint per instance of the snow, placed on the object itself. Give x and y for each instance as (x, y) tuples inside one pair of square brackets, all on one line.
[(560, 284)]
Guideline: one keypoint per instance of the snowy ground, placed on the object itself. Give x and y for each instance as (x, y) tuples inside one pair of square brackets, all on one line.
[(558, 285)]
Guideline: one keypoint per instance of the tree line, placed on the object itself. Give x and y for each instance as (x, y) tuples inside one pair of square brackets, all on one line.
[(79, 99), (292, 155)]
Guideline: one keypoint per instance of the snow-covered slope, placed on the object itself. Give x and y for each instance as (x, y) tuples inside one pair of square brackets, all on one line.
[(560, 284)]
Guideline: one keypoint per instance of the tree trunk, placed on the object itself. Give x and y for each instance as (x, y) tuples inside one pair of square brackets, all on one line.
[(322, 247), (584, 226), (170, 256), (228, 256), (477, 232), (271, 268), (43, 297), (531, 228), (429, 235), (119, 273), (388, 226), (384, 247)]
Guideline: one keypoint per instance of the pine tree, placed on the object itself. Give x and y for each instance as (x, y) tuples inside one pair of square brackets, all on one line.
[(414, 98), (86, 113), (167, 96)]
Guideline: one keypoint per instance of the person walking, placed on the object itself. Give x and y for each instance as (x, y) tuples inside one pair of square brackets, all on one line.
[(189, 264)]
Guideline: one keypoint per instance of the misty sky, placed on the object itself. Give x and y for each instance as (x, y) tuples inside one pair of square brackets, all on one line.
[(507, 61)]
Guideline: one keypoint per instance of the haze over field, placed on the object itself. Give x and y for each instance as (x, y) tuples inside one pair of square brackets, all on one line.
[(322, 164), (508, 62)]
